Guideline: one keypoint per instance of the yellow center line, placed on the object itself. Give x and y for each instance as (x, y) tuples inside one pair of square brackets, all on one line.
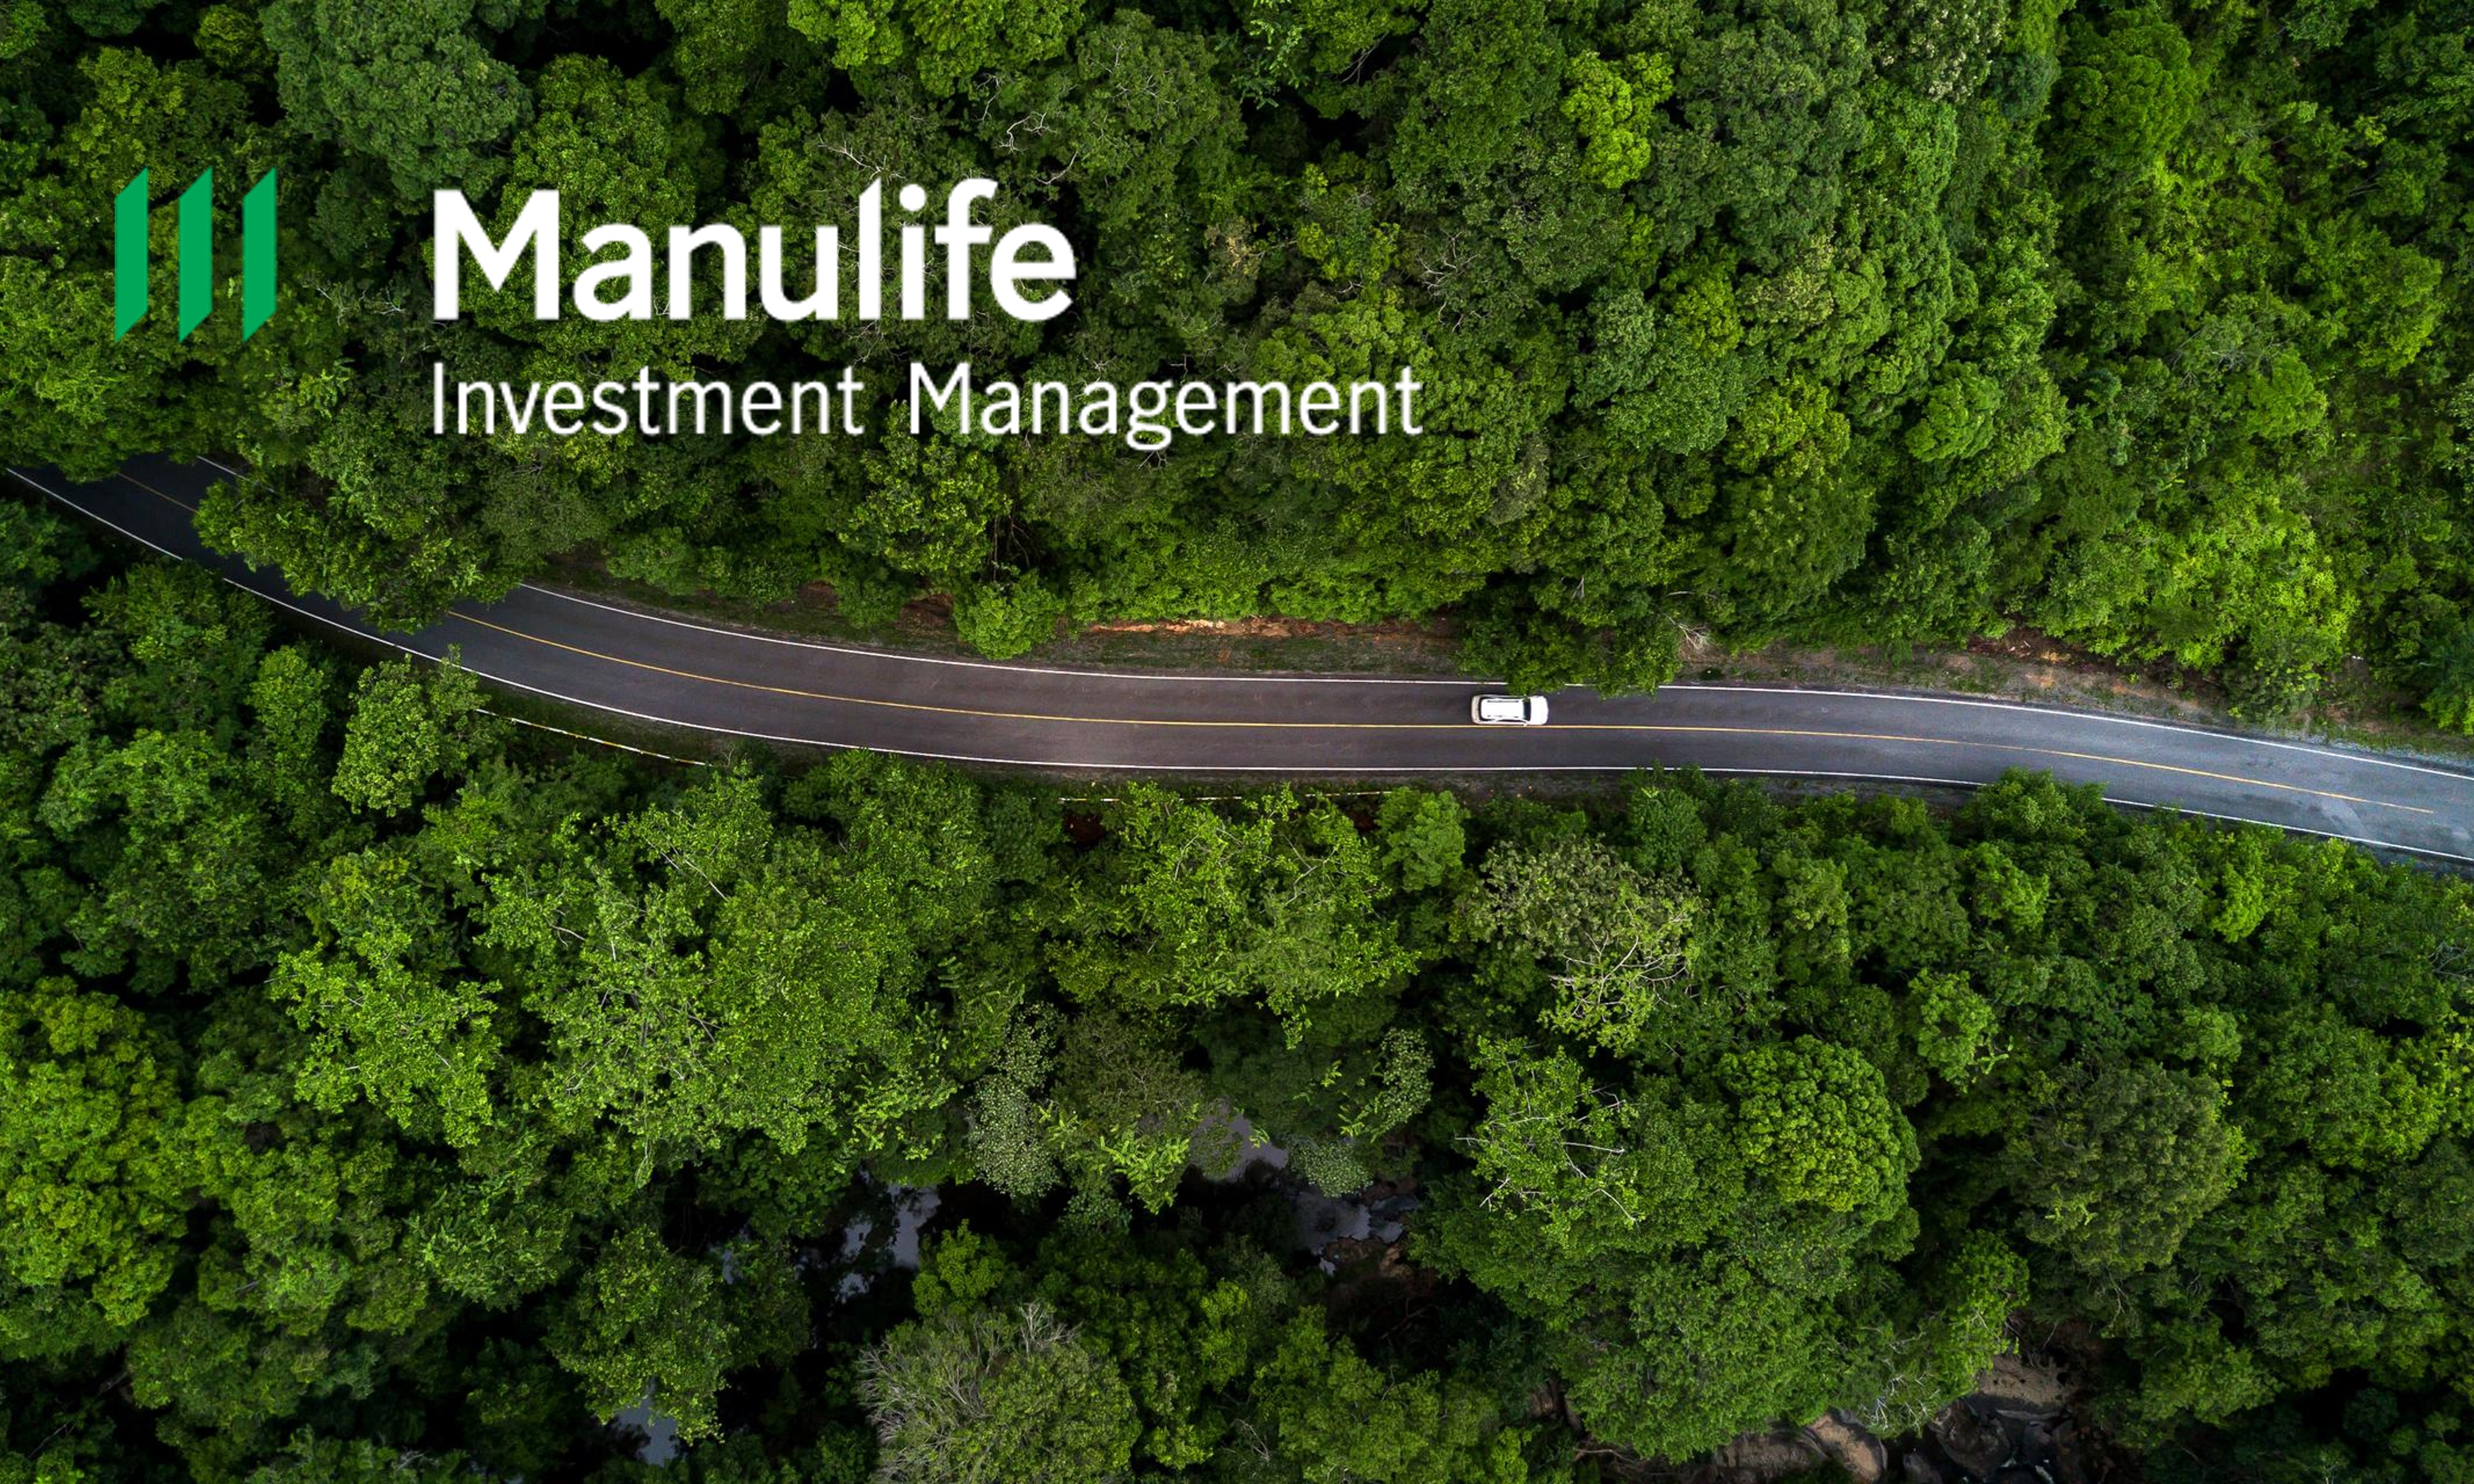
[(175, 504), (1673, 728), (1646, 728)]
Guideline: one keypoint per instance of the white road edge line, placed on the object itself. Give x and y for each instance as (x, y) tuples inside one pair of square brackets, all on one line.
[(1473, 683), (902, 658), (826, 646), (1106, 767), (2220, 733)]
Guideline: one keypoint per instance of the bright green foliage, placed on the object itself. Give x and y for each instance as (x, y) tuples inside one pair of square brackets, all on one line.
[(724, 47), (1192, 907), (2446, 668), (701, 973), (1228, 1364), (1957, 418), (1012, 1396), (1424, 837), (388, 1094), (1816, 1121), (406, 726), (2095, 1164), (1953, 1028), (1650, 1215), (1965, 1330), (405, 82), (392, 1017), (1186, 1327), (1611, 106), (947, 45), (644, 1327), (1344, 1420), (1008, 1134), (309, 1107), (95, 1165), (1898, 323), (289, 705), (1617, 949), (956, 1272), (2128, 93)]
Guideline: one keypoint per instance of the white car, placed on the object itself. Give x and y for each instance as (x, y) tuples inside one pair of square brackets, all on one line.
[(1508, 711)]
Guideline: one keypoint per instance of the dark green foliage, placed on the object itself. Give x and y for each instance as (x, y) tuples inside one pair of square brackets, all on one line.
[(1832, 319), (383, 1091)]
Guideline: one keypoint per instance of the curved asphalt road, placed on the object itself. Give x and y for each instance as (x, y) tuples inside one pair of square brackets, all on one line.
[(676, 672)]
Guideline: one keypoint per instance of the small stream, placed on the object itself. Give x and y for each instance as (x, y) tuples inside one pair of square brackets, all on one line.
[(866, 1254)]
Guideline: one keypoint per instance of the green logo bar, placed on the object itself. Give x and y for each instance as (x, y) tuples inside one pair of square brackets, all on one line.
[(257, 254), (197, 254), (129, 256)]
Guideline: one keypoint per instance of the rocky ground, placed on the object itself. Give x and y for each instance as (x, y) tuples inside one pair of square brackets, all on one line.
[(2016, 1428)]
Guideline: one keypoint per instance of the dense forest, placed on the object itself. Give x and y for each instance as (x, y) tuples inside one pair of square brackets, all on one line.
[(1883, 321), (389, 1091)]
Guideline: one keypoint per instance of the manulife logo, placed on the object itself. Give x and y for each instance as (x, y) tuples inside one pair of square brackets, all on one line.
[(197, 254)]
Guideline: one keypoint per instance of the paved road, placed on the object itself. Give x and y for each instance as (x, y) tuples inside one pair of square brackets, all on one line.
[(676, 672)]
